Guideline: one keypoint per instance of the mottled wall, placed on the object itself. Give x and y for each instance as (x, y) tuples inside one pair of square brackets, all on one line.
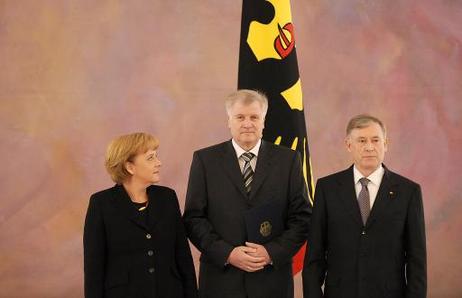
[(74, 74)]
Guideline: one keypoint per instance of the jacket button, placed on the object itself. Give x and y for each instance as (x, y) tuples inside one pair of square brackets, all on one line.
[(148, 236), (363, 233), (151, 270), (150, 253)]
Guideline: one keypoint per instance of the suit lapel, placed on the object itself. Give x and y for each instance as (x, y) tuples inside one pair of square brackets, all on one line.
[(348, 194), (154, 210), (124, 204), (231, 166), (262, 169), (384, 196)]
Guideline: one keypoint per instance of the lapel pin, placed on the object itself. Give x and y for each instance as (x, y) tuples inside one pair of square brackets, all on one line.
[(391, 194)]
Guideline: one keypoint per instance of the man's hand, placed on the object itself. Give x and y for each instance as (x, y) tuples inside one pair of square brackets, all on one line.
[(246, 258), (260, 252)]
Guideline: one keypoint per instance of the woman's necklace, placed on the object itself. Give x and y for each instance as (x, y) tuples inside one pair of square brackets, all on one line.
[(143, 207), (139, 205)]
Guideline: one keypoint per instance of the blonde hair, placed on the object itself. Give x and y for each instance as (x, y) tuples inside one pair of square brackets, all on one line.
[(362, 121), (123, 149), (246, 96)]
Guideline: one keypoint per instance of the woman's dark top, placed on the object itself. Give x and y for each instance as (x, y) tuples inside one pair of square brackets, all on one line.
[(136, 254)]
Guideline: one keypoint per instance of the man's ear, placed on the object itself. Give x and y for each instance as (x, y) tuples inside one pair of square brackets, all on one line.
[(385, 144), (348, 143)]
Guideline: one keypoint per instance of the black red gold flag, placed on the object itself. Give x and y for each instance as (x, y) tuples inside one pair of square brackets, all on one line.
[(268, 63)]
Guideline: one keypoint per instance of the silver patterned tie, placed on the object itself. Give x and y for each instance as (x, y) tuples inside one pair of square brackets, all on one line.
[(364, 200), (247, 172)]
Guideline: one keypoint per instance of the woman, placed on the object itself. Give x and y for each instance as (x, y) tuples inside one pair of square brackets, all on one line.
[(134, 242)]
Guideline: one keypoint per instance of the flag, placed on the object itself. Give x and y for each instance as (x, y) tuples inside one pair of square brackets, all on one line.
[(268, 63)]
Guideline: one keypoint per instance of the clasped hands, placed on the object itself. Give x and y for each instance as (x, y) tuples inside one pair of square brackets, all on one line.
[(251, 257)]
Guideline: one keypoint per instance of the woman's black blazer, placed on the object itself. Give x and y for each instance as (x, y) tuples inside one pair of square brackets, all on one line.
[(126, 255)]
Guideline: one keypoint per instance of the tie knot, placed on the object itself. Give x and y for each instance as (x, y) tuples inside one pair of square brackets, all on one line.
[(247, 156), (364, 182)]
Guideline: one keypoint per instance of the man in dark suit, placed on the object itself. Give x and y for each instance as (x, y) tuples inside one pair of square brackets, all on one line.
[(236, 178), (367, 236)]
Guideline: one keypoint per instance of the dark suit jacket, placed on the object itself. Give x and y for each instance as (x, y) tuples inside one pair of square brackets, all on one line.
[(386, 258), (125, 256), (214, 218)]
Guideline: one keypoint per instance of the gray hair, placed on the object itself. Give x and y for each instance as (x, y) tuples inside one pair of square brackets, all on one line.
[(247, 97), (362, 121)]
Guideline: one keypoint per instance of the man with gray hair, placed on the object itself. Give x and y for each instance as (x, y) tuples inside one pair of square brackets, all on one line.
[(367, 237), (247, 208)]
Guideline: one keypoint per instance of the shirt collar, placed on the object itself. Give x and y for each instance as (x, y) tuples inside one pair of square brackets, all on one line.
[(240, 151), (375, 177)]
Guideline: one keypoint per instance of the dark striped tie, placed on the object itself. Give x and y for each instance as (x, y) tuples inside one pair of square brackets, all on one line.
[(364, 200), (247, 172)]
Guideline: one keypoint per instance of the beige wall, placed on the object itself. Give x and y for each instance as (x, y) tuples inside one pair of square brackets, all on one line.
[(74, 74)]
